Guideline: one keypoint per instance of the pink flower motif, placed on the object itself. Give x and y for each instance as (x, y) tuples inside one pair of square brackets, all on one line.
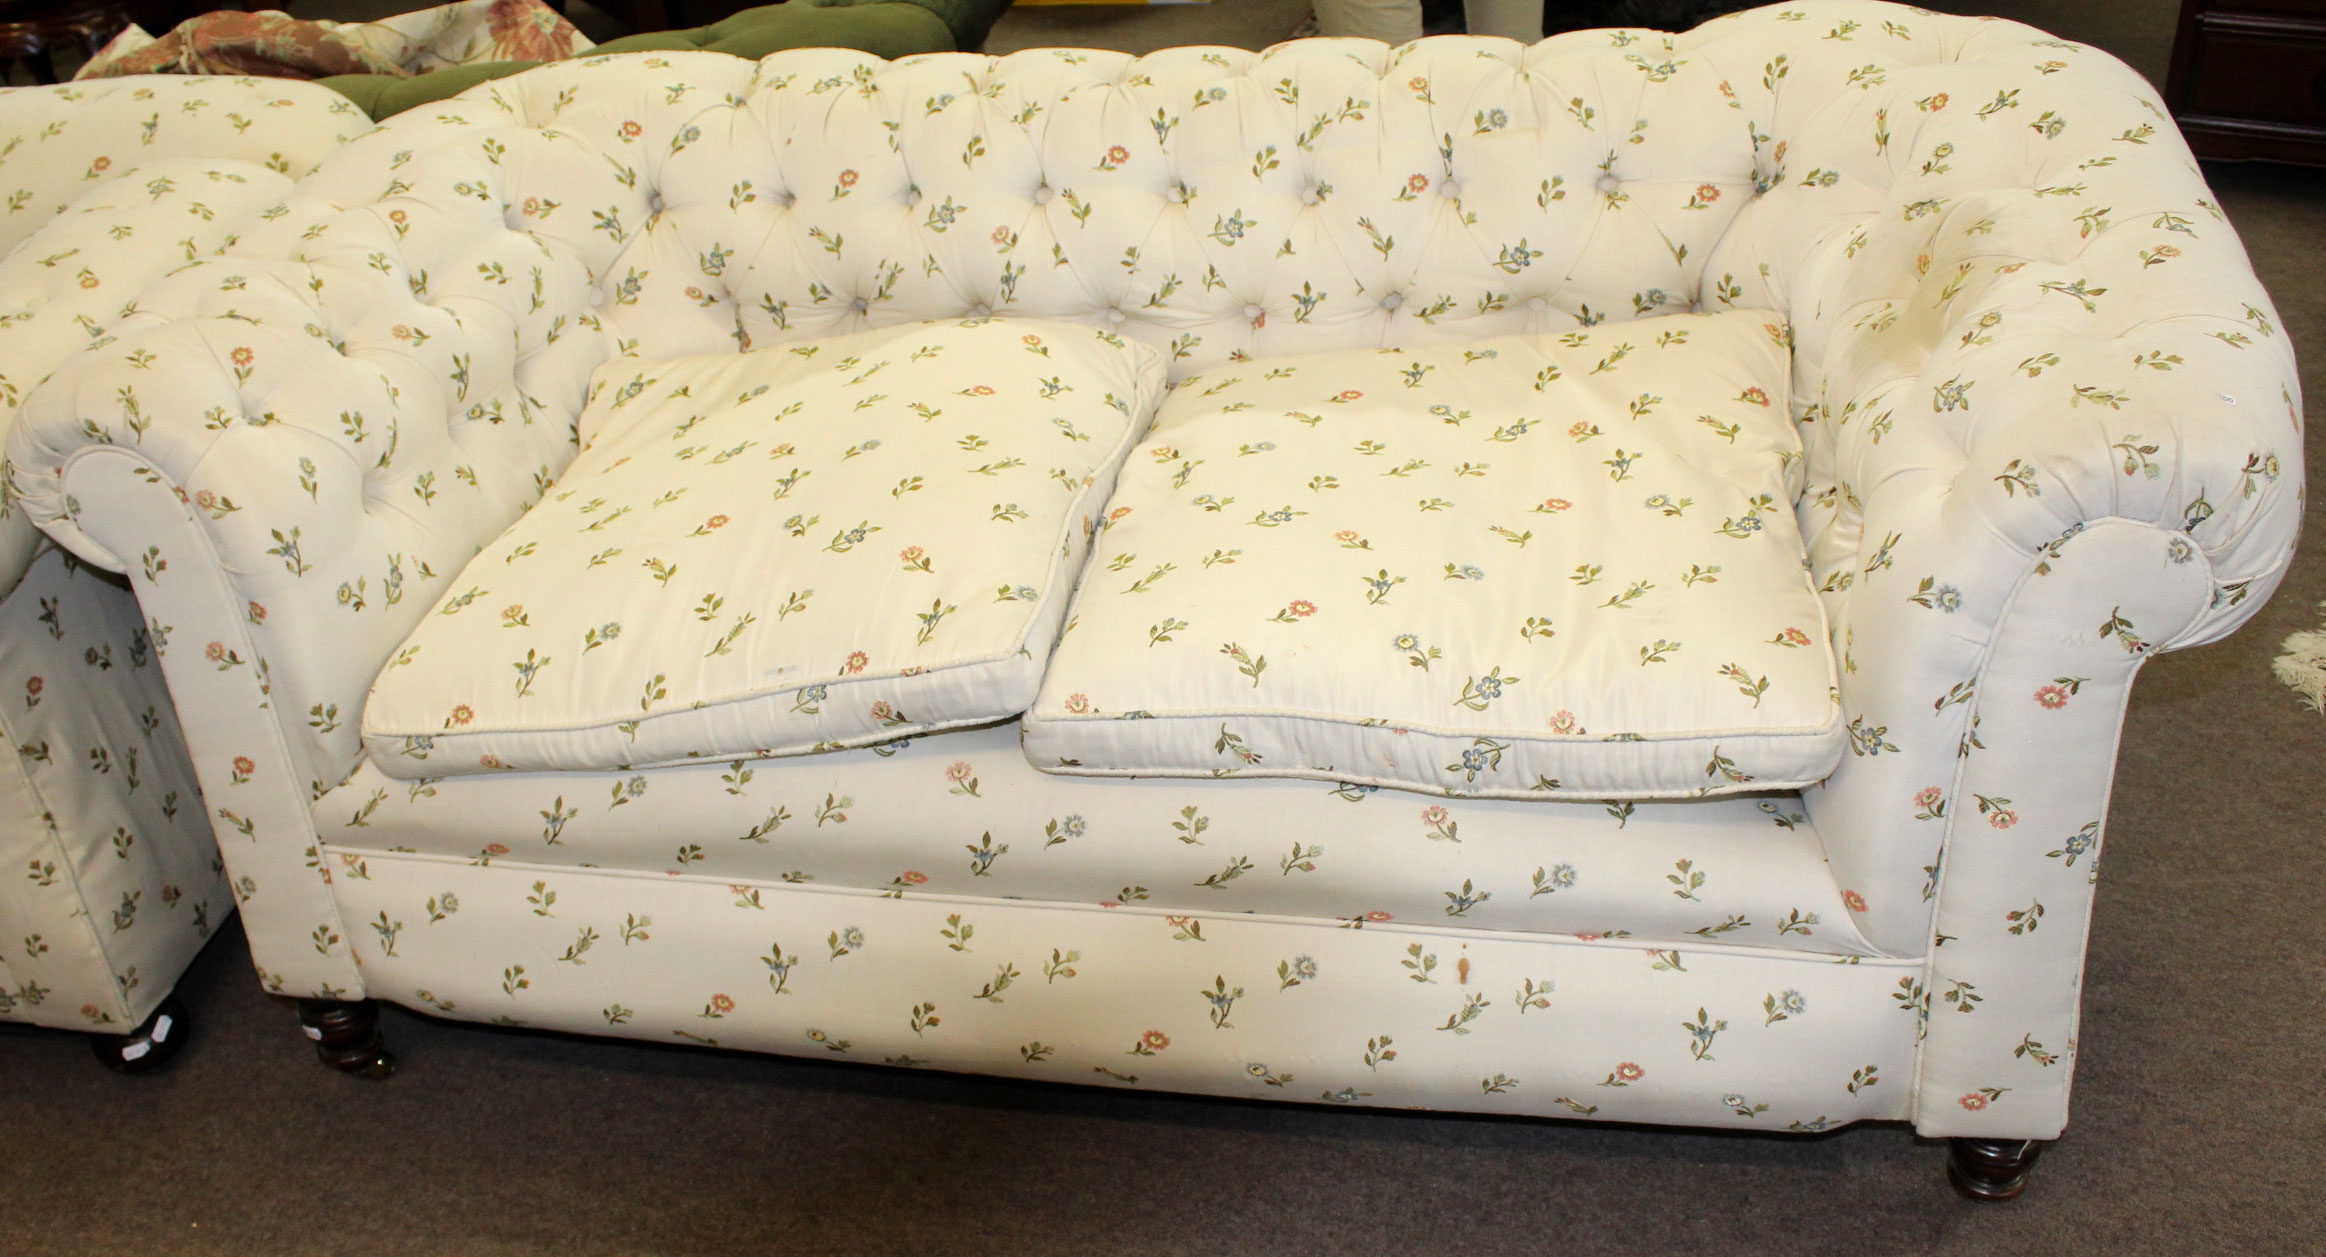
[(1345, 535), (631, 130), (532, 207), (1630, 1072), (855, 664), (1565, 722), (243, 357), (496, 848), (2002, 818), (1155, 1040), (243, 767), (1031, 339), (1418, 84), (715, 521), (1377, 916), (1350, 394), (258, 613), (401, 331), (463, 714), (215, 652), (724, 1003), (1116, 155), (1177, 923), (399, 217), (1117, 513), (1590, 938), (1757, 395), (959, 772), (912, 554), (33, 687), (1302, 608), (492, 761), (981, 390), (1853, 901), (1556, 504), (913, 877), (881, 710), (1580, 429), (1974, 1102), (102, 163), (2053, 697), (1927, 797), (1795, 637), (1079, 704), (1001, 235), (848, 178), (88, 280), (1433, 815), (1706, 193), (1938, 102), (1417, 183)]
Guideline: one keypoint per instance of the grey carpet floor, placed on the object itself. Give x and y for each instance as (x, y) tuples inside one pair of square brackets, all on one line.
[(2198, 1122)]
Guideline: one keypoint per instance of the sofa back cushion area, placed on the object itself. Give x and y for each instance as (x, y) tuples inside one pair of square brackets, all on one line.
[(400, 376), (780, 552), (1525, 567)]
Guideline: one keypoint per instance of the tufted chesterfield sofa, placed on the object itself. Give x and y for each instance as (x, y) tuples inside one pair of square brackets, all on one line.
[(112, 881), (2049, 428)]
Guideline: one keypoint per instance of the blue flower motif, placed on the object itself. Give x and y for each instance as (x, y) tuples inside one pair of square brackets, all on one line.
[(1072, 827), (1304, 968), (1474, 760), (2080, 843), (1948, 599), (1489, 687)]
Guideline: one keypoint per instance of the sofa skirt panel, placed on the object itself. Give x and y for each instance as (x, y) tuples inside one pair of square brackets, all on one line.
[(962, 813), (109, 880), (1257, 1007)]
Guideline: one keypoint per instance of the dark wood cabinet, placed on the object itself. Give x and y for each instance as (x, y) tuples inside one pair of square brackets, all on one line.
[(2248, 79)]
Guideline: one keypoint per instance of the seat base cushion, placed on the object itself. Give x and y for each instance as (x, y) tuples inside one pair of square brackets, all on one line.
[(963, 813)]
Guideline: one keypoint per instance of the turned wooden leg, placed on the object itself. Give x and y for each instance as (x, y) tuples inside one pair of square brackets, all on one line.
[(1991, 1169), (150, 1045), (347, 1036)]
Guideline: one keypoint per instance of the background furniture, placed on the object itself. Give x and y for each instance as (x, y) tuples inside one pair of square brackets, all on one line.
[(2248, 79), (884, 28), (112, 881), (31, 31)]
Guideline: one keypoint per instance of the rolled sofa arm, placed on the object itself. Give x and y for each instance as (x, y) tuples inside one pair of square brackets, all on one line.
[(2052, 428)]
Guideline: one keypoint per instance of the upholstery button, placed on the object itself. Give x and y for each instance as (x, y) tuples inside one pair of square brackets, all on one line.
[(1251, 312), (1115, 316), (913, 194), (597, 297), (1043, 194), (980, 310), (1449, 189), (1609, 183), (1310, 195), (1392, 301), (1538, 303), (860, 305)]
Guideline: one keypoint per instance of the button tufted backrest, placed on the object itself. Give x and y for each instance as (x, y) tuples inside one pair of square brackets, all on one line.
[(399, 360)]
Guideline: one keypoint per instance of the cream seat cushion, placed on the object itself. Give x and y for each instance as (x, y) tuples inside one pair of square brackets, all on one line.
[(1528, 567), (779, 552)]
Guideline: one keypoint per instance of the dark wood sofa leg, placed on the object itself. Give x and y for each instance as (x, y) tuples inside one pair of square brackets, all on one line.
[(347, 1036), (1991, 1169)]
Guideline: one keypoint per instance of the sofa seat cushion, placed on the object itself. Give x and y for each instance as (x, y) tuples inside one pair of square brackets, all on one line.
[(1528, 567), (779, 552), (962, 815)]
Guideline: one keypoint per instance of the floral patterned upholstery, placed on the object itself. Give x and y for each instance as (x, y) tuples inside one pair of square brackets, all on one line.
[(1364, 519), (112, 880), (2049, 421)]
